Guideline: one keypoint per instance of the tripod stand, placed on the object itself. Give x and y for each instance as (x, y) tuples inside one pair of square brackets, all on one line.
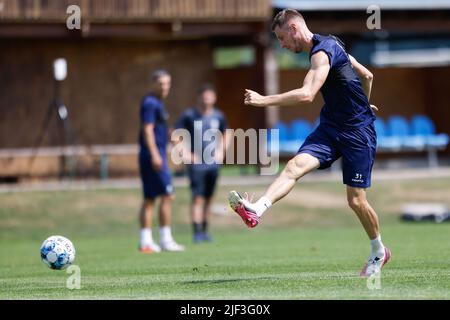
[(65, 135)]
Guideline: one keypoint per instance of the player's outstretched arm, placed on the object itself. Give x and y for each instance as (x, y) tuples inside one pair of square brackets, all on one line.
[(364, 75), (314, 80)]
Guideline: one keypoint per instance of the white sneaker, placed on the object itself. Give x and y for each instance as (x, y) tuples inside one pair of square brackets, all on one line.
[(171, 246), (149, 248), (374, 265)]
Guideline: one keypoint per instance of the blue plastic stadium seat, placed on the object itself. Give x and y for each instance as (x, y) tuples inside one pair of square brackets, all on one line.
[(384, 141), (399, 129), (300, 129), (282, 131), (423, 127), (380, 127), (283, 136), (397, 134), (297, 133)]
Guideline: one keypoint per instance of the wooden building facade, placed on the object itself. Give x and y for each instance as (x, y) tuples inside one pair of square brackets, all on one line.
[(120, 42)]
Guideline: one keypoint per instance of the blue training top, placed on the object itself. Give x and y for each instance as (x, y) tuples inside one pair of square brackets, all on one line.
[(152, 111), (197, 124), (346, 104)]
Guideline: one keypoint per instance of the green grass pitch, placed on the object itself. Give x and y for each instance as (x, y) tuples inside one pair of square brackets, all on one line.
[(309, 246)]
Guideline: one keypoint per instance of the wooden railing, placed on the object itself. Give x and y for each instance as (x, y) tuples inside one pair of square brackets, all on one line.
[(147, 10)]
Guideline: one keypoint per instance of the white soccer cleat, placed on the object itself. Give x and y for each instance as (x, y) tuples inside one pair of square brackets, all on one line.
[(172, 246), (150, 248), (375, 264)]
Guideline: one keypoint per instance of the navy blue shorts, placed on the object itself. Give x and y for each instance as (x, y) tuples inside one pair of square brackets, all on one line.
[(356, 147), (203, 181), (155, 183)]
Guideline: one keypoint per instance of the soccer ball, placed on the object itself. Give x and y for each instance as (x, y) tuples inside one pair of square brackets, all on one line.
[(57, 252)]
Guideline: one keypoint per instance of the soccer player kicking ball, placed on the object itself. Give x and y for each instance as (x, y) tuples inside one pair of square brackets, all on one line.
[(346, 128)]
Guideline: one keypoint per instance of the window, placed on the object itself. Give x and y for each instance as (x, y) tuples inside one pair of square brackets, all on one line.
[(232, 57)]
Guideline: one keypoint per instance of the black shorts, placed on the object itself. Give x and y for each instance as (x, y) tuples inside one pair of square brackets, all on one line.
[(203, 181)]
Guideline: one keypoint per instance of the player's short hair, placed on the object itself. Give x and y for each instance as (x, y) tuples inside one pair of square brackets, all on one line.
[(206, 87), (284, 16), (158, 74)]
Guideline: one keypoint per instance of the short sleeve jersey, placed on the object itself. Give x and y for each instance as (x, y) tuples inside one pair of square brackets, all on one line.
[(346, 105), (153, 112), (197, 124)]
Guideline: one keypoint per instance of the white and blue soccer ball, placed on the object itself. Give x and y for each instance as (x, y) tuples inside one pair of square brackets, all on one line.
[(57, 252)]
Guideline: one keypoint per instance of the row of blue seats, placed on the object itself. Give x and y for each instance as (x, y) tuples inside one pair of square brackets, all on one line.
[(396, 134), (292, 136), (418, 134)]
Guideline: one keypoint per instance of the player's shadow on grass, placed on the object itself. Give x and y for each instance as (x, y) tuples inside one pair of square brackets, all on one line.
[(214, 281)]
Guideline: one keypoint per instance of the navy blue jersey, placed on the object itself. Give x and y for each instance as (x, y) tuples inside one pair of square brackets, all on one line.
[(197, 124), (346, 104), (152, 111)]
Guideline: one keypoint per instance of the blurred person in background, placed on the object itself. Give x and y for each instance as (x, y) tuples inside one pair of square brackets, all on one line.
[(153, 166), (203, 174)]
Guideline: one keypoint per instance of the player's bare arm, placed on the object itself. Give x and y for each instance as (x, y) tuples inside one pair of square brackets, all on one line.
[(365, 76), (149, 134), (312, 83)]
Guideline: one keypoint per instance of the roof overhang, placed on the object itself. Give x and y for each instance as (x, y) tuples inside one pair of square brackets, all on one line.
[(333, 5), (412, 58)]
